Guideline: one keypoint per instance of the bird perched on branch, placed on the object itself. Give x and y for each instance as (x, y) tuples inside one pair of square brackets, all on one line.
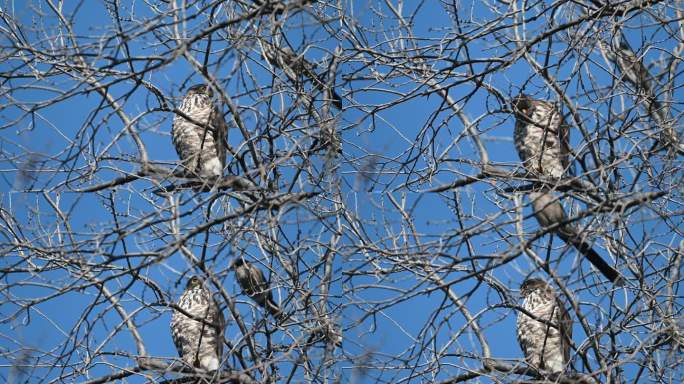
[(296, 66), (541, 137), (542, 140), (199, 134), (545, 337), (549, 212), (633, 70), (197, 328), (254, 284)]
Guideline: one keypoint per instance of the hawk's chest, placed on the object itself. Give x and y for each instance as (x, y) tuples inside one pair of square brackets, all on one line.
[(194, 302), (538, 142), (541, 130), (198, 113), (540, 305)]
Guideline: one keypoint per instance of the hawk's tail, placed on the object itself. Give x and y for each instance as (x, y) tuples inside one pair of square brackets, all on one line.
[(275, 311), (594, 258), (336, 99)]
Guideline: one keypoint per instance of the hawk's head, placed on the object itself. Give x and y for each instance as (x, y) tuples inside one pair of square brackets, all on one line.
[(201, 89), (531, 285), (238, 262), (194, 282), (522, 105)]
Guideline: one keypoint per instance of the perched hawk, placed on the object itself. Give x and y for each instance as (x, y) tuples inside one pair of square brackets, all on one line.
[(541, 137), (200, 141), (634, 71), (544, 338), (542, 140), (295, 67), (198, 337), (254, 284), (549, 211)]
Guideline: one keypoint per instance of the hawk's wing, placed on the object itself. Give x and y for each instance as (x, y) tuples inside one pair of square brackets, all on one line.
[(565, 328), (555, 124), (565, 152), (177, 333), (221, 323), (220, 134)]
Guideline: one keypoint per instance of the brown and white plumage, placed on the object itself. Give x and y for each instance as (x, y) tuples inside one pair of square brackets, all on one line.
[(549, 212), (254, 284), (545, 343), (199, 338), (201, 141), (541, 137)]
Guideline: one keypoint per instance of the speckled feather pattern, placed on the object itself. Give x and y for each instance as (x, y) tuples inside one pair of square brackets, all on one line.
[(542, 343), (202, 151), (542, 139), (198, 343)]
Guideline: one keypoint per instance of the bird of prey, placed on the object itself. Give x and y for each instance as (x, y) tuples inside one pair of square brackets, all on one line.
[(197, 330), (254, 284), (200, 135), (295, 67), (546, 336), (634, 71), (541, 137), (542, 140), (549, 212)]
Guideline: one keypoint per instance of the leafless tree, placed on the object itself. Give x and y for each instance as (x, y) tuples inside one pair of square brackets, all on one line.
[(371, 176)]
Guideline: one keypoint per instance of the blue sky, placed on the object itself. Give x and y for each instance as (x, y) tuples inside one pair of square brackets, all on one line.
[(385, 304)]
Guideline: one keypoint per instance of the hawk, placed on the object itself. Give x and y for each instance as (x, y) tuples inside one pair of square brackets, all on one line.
[(197, 330), (296, 66), (541, 137), (549, 212), (200, 140), (254, 284), (634, 71), (542, 141), (545, 337)]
